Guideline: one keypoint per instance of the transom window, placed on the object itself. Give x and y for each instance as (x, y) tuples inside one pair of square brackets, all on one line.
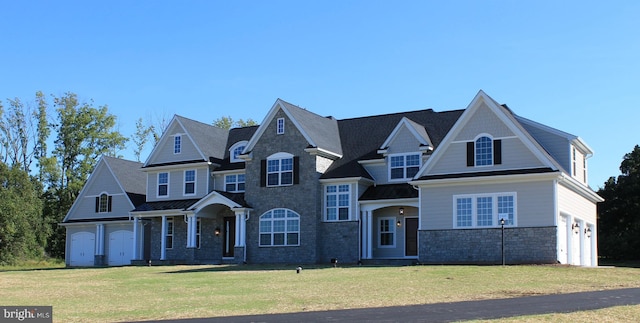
[(280, 227), (403, 166), (177, 144), (387, 232), (280, 126), (163, 184), (337, 202), (484, 151), (280, 171), (234, 183), (189, 182), (484, 210)]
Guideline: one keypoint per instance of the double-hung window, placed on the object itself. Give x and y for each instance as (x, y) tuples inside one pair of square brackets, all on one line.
[(198, 230), (484, 210), (177, 144), (337, 202), (103, 203), (280, 171), (163, 184), (234, 183), (403, 166), (189, 182), (387, 232), (280, 227), (484, 151), (280, 126)]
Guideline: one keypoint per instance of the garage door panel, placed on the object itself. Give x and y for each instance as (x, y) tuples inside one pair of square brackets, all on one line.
[(82, 249)]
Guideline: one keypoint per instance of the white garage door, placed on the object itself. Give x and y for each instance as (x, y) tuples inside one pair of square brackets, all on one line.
[(120, 248), (82, 249), (563, 252)]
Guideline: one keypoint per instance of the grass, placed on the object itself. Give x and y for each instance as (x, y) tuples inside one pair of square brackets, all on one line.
[(163, 292)]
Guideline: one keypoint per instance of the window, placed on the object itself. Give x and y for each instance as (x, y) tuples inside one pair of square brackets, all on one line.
[(236, 150), (177, 144), (280, 227), (168, 236), (403, 166), (189, 182), (163, 184), (584, 169), (337, 202), (280, 126), (103, 203), (387, 232), (280, 171), (484, 210), (234, 183), (484, 151), (198, 230)]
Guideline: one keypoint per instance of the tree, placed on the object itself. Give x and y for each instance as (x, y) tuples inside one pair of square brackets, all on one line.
[(140, 138), (17, 134), (83, 134), (22, 229), (228, 123), (619, 214)]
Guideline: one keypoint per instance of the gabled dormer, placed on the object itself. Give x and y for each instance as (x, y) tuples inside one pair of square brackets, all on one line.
[(405, 150), (179, 165)]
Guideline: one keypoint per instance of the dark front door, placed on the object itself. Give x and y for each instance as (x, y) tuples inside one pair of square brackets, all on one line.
[(228, 236), (411, 237)]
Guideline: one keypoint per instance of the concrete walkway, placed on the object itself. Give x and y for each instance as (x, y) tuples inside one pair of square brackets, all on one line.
[(451, 312)]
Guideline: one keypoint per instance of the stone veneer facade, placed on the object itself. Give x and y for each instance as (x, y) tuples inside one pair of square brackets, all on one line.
[(483, 246)]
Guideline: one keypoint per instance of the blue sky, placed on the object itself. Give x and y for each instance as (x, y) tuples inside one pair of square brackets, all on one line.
[(572, 65)]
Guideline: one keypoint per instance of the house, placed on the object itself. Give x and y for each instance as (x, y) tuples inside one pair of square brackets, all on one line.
[(418, 186), (98, 226)]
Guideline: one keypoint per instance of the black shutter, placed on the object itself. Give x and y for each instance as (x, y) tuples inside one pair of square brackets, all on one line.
[(109, 204), (471, 154), (296, 170), (263, 173), (497, 152), (97, 204)]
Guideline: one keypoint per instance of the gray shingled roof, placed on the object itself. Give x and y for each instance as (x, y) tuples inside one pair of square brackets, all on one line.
[(210, 139), (236, 135), (322, 130), (362, 137), (130, 176), (166, 205), (388, 192)]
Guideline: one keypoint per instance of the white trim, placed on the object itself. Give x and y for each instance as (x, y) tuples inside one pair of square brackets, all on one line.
[(337, 194), (404, 167), (495, 216), (486, 179), (280, 126), (234, 147), (158, 185), (166, 168), (184, 182), (177, 137), (406, 122), (392, 231)]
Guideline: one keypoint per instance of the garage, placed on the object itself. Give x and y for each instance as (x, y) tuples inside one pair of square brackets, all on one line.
[(120, 248), (82, 249)]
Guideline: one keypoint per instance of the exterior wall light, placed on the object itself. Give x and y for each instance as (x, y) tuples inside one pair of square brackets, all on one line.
[(575, 227), (587, 232), (216, 232), (398, 224), (401, 211)]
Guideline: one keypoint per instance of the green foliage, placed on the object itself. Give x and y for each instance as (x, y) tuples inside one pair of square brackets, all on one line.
[(228, 123), (22, 230), (619, 214), (141, 137)]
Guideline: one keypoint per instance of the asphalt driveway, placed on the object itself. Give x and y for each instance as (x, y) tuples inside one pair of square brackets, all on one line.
[(452, 312)]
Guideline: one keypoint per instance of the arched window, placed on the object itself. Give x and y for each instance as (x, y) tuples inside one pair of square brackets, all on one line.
[(279, 227), (236, 150), (103, 203), (484, 151)]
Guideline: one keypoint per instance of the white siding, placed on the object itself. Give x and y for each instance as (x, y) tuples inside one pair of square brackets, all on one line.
[(535, 203), (575, 205)]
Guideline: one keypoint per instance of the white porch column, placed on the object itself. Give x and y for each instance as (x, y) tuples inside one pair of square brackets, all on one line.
[(100, 239), (191, 231), (367, 234), (240, 229), (163, 239), (136, 255)]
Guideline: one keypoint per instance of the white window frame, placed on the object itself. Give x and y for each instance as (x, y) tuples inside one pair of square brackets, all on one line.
[(194, 182), (235, 182), (177, 144), (391, 231), (496, 215), (475, 150), (404, 166), (158, 185), (233, 154), (290, 217), (198, 232), (279, 157), (103, 206), (280, 126), (169, 233), (335, 195)]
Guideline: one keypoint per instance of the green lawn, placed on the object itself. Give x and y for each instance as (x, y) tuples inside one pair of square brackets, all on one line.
[(142, 293)]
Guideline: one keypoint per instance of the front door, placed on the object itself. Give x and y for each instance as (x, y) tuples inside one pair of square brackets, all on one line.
[(411, 237), (229, 236)]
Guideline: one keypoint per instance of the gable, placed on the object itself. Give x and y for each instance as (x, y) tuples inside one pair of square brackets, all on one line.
[(512, 147), (163, 152), (404, 141)]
